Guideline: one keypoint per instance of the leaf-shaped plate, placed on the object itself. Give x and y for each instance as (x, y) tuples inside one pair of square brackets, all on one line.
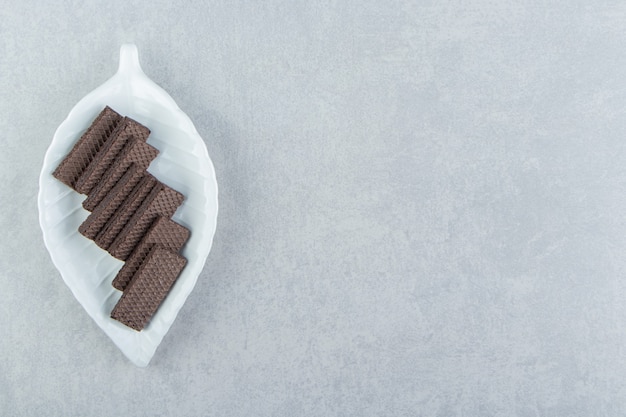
[(183, 163)]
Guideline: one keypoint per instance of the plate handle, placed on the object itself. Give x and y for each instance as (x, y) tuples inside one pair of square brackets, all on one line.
[(129, 60)]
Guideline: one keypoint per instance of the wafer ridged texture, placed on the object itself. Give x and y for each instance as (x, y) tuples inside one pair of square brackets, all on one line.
[(148, 288), (126, 211), (127, 129), (160, 202), (135, 151), (103, 212), (164, 233), (83, 152)]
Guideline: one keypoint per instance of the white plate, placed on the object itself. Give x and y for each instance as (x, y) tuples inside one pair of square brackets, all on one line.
[(183, 163)]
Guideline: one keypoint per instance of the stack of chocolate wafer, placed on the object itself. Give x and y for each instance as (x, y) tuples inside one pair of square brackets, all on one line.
[(131, 212)]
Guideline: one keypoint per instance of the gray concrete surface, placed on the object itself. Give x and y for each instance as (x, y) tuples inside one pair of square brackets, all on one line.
[(422, 208)]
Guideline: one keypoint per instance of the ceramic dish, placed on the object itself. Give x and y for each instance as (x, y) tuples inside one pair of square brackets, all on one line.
[(183, 163)]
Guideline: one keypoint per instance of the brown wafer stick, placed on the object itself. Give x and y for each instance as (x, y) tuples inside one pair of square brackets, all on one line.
[(96, 221), (83, 152), (125, 130), (148, 288), (162, 201), (165, 233), (126, 211), (135, 151)]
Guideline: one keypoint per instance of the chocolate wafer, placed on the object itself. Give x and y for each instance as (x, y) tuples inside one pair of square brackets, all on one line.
[(148, 288), (125, 130), (135, 151), (126, 211), (165, 233), (162, 201), (107, 207), (83, 152)]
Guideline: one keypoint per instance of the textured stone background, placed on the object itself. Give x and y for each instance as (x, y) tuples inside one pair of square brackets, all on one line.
[(422, 208)]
